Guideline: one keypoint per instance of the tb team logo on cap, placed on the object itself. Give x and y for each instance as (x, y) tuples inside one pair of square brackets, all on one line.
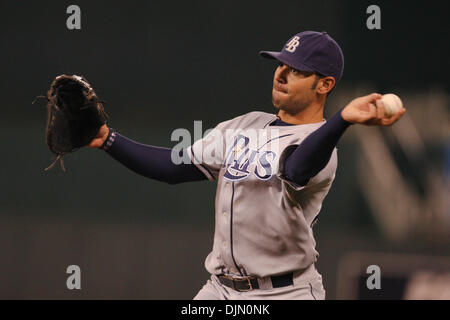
[(292, 45)]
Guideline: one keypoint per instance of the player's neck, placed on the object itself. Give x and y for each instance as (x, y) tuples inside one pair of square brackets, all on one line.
[(311, 114)]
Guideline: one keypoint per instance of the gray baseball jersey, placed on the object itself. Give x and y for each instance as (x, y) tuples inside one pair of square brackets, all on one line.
[(263, 222)]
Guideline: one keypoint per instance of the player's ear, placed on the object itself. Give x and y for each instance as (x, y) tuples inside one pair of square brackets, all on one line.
[(325, 85)]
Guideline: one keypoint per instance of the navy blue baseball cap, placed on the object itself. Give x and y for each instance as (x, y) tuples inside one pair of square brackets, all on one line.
[(311, 51)]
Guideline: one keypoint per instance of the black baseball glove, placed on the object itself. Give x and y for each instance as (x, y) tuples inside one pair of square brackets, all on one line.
[(74, 116)]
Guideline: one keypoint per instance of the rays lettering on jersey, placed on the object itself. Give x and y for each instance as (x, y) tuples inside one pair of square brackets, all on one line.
[(241, 161)]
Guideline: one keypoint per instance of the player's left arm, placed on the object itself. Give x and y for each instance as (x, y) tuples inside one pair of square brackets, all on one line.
[(149, 161), (313, 154)]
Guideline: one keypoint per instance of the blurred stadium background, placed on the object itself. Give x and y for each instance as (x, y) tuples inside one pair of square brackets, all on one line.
[(162, 65)]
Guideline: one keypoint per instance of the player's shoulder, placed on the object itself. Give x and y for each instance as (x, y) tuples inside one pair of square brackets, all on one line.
[(258, 119)]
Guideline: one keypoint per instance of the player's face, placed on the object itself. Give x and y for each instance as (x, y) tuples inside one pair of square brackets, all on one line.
[(293, 90)]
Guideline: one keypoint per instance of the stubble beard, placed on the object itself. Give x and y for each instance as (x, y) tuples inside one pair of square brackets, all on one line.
[(292, 108)]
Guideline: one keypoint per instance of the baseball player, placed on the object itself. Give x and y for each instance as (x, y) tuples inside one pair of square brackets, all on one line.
[(273, 172)]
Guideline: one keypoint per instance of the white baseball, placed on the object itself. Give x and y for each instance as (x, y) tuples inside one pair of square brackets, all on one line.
[(392, 104)]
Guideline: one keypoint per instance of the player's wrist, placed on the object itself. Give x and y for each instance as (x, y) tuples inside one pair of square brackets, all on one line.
[(109, 141), (342, 117)]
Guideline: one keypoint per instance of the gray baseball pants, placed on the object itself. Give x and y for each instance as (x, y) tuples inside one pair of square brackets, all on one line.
[(307, 286)]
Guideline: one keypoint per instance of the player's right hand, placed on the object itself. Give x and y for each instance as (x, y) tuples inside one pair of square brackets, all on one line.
[(369, 110), (98, 141)]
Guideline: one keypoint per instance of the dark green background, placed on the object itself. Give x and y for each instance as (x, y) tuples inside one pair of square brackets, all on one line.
[(160, 65)]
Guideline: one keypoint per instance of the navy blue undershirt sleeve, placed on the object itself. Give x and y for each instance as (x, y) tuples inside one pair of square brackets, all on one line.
[(303, 163), (315, 151), (152, 162)]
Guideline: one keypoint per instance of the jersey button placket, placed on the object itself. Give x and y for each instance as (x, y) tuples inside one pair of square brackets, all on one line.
[(224, 223), (227, 192)]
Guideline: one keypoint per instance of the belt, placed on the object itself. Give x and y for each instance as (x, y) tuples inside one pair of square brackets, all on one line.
[(243, 284)]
